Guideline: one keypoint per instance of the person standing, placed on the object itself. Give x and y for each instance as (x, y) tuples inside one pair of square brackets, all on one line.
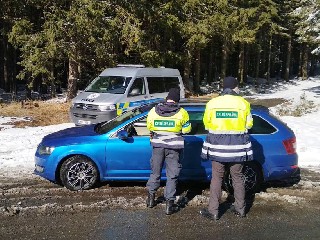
[(227, 119), (166, 121)]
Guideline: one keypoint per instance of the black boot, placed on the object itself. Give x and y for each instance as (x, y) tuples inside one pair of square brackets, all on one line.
[(170, 207), (151, 200)]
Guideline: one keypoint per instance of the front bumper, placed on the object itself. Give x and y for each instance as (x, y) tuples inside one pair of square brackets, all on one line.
[(86, 117), (43, 168)]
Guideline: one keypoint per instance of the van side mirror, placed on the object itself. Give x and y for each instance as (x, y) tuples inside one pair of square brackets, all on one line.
[(123, 135)]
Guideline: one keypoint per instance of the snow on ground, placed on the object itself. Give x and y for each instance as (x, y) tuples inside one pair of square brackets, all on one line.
[(18, 145), (306, 127)]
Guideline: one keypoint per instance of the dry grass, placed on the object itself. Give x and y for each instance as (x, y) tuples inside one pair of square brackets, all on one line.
[(41, 113)]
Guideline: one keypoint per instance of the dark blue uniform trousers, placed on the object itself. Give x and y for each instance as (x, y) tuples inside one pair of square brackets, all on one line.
[(172, 159)]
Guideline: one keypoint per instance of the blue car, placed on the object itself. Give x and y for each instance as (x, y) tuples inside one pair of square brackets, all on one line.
[(120, 150)]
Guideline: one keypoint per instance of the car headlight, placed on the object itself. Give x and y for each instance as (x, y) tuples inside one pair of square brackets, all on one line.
[(107, 107), (44, 150)]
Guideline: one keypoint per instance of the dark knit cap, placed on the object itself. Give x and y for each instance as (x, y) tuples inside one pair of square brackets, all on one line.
[(230, 82), (174, 94)]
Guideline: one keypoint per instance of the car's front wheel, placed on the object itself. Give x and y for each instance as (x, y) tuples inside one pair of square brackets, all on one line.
[(79, 173), (252, 178)]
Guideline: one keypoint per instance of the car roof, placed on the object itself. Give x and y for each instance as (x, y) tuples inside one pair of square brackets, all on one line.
[(140, 71), (200, 102), (203, 101)]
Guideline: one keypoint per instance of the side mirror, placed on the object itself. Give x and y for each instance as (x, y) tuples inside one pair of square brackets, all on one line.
[(122, 134)]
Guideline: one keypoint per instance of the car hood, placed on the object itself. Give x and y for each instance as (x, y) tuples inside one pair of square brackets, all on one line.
[(97, 98), (74, 135)]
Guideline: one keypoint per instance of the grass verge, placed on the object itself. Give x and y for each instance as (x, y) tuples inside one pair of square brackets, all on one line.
[(40, 113)]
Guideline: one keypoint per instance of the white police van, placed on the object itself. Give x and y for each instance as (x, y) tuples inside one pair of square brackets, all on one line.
[(121, 88)]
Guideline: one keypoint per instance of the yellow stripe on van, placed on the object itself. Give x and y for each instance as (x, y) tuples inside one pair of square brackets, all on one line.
[(119, 110), (122, 107)]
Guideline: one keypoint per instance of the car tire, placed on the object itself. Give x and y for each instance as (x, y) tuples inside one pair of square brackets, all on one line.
[(79, 173), (252, 178)]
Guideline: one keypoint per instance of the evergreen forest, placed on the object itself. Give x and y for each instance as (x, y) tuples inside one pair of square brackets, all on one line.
[(64, 44)]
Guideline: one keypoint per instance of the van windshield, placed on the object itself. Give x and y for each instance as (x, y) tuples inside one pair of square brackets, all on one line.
[(109, 84)]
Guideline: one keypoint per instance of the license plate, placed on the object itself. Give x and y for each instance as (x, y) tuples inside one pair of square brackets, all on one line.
[(84, 122)]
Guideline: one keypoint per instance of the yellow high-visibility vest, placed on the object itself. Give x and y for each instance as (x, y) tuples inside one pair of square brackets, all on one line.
[(228, 114), (178, 123)]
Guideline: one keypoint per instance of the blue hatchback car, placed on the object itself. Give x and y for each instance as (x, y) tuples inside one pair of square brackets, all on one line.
[(120, 150)]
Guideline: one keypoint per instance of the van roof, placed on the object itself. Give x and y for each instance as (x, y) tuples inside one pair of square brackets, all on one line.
[(140, 71)]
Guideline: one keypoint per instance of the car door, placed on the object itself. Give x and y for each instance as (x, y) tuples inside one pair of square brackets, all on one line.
[(130, 158), (193, 166), (137, 95)]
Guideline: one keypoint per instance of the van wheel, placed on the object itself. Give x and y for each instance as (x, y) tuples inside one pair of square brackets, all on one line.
[(79, 173), (252, 178)]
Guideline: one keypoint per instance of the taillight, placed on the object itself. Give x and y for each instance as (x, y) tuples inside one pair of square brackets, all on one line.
[(290, 145)]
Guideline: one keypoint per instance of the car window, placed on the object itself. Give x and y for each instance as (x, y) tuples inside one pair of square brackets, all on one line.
[(105, 127), (138, 128), (109, 84), (162, 84), (261, 126), (137, 88), (197, 126)]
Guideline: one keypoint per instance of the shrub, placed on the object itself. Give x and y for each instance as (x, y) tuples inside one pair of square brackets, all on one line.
[(304, 106)]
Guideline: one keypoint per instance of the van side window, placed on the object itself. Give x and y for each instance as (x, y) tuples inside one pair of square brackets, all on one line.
[(137, 88), (162, 84)]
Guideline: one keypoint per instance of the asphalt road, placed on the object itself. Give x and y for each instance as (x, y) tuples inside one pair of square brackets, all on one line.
[(37, 209)]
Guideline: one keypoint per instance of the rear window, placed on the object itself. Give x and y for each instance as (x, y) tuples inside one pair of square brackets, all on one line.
[(162, 84), (260, 126)]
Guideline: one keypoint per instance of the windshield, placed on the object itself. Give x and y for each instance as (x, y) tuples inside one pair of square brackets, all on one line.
[(109, 84), (105, 127)]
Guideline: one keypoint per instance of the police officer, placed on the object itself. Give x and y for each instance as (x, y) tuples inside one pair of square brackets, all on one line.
[(167, 121), (227, 119)]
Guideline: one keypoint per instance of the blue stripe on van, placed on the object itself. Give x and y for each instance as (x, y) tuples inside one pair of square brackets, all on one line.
[(124, 106)]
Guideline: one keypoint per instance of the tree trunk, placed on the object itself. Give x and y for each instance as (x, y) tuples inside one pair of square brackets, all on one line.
[(1, 59), (196, 83), (257, 63), (300, 60), (210, 77), (241, 64), (223, 63), (305, 63), (51, 79), (287, 70), (187, 70), (72, 78), (263, 56), (313, 65), (5, 65), (269, 60), (13, 68)]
